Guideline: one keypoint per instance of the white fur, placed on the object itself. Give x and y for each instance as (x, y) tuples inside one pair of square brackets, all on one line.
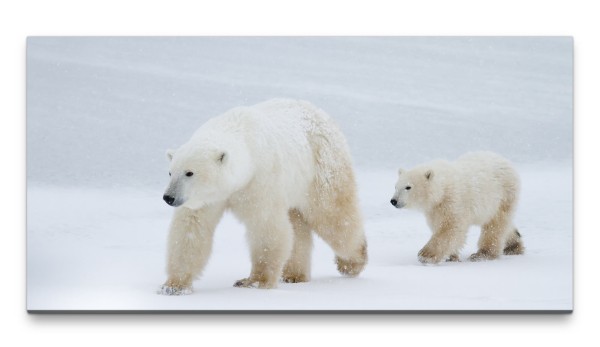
[(284, 169), (479, 188)]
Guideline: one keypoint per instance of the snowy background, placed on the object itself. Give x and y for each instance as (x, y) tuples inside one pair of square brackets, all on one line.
[(102, 111)]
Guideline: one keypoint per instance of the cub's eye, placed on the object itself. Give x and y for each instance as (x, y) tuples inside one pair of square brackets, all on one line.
[(408, 187), (169, 174), (189, 174)]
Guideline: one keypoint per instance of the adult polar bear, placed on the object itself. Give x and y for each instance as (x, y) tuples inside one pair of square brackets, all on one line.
[(479, 188), (283, 168)]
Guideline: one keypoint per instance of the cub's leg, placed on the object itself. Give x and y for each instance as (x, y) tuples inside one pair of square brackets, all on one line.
[(189, 246), (447, 239), (492, 238), (514, 244)]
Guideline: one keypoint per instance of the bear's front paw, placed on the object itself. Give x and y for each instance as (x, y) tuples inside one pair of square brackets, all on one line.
[(427, 256), (174, 290)]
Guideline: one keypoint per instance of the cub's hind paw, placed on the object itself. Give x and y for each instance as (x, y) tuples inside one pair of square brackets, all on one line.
[(515, 248)]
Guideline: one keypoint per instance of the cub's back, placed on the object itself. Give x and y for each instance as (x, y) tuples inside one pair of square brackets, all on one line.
[(487, 179), (486, 166)]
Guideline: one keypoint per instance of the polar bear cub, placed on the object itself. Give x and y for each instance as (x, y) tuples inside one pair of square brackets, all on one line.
[(283, 168), (479, 188)]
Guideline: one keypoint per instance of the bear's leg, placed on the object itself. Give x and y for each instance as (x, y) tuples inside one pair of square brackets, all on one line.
[(444, 244), (297, 268), (354, 263), (270, 238), (493, 236), (190, 243), (514, 244), (343, 232)]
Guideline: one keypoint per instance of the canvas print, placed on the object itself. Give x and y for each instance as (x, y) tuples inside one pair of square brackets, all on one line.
[(295, 174)]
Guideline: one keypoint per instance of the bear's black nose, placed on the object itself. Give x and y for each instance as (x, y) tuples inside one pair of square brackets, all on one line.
[(169, 199), (393, 201)]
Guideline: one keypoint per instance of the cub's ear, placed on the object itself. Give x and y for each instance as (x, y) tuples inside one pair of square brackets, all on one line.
[(170, 153), (400, 171), (222, 157), (429, 174)]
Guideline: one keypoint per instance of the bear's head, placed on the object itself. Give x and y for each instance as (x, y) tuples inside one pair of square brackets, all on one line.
[(418, 188), (206, 171)]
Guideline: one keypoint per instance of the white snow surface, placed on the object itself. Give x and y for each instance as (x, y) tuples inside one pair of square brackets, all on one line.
[(101, 113)]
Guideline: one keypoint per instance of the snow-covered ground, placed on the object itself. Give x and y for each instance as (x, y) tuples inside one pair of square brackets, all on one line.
[(90, 251), (102, 111)]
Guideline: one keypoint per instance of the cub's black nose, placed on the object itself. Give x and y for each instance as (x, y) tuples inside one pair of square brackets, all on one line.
[(169, 199), (393, 201)]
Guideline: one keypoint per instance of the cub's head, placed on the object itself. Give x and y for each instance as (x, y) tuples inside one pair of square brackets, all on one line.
[(202, 173), (417, 188)]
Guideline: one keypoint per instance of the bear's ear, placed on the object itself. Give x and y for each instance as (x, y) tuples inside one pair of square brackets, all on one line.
[(429, 174), (400, 171), (222, 157), (170, 153)]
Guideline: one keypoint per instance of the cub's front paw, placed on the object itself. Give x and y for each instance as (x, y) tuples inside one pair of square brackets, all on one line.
[(174, 290), (427, 256), (245, 283)]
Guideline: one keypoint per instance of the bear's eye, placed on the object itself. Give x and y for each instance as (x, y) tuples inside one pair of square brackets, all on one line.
[(189, 174), (408, 187), (169, 174)]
